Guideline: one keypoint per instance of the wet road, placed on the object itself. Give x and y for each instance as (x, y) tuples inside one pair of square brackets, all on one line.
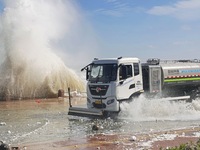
[(44, 120)]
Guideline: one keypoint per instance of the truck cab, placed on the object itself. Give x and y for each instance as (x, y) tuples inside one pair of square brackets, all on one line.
[(111, 81)]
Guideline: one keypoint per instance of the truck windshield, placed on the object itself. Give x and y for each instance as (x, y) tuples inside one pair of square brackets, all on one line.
[(103, 73)]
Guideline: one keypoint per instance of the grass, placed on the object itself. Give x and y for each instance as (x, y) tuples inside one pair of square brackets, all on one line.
[(187, 146)]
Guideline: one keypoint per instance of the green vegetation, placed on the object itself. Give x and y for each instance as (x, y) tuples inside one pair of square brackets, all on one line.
[(187, 146)]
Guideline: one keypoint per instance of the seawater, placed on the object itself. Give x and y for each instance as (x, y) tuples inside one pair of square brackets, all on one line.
[(145, 109), (29, 121)]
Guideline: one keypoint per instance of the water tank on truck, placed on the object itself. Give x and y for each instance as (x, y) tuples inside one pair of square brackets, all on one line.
[(178, 77)]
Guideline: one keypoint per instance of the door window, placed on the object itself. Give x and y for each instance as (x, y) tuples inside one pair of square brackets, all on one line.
[(136, 69), (125, 72)]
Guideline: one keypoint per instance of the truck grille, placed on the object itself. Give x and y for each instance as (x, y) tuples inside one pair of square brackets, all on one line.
[(98, 90)]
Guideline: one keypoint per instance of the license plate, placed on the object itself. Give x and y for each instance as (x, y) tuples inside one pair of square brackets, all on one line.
[(98, 102)]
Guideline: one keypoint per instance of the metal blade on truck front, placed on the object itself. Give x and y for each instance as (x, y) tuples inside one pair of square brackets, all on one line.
[(85, 112)]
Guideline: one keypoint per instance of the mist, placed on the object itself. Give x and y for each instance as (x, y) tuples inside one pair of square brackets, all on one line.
[(42, 46)]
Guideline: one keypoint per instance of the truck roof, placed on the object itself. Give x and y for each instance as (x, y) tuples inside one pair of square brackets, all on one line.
[(115, 60)]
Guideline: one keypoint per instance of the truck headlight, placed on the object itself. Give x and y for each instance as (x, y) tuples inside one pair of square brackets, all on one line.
[(110, 101)]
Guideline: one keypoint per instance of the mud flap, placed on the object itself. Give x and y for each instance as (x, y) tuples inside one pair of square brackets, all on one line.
[(85, 112)]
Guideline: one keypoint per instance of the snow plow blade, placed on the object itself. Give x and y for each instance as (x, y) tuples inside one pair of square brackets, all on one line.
[(84, 112)]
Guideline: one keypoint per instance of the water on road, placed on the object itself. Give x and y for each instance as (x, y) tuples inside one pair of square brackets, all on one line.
[(40, 120)]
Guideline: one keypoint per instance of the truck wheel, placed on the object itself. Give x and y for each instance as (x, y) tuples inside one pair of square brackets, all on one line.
[(194, 95)]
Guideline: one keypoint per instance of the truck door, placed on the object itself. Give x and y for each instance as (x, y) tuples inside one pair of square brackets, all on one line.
[(154, 79), (130, 81), (138, 77)]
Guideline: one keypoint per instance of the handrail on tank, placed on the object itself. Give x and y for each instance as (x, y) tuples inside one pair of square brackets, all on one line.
[(181, 61)]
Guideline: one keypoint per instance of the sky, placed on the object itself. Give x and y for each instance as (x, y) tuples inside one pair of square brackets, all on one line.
[(165, 29), (145, 28)]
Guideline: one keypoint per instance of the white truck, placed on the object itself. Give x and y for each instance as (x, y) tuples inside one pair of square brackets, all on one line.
[(111, 81)]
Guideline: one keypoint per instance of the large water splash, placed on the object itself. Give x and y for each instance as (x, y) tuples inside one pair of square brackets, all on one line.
[(29, 33), (144, 109)]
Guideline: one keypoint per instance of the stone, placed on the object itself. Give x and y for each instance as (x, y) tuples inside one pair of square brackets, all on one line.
[(95, 127), (4, 146)]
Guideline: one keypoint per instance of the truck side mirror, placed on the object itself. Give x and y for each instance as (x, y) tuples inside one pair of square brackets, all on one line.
[(123, 72), (87, 73), (87, 68)]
